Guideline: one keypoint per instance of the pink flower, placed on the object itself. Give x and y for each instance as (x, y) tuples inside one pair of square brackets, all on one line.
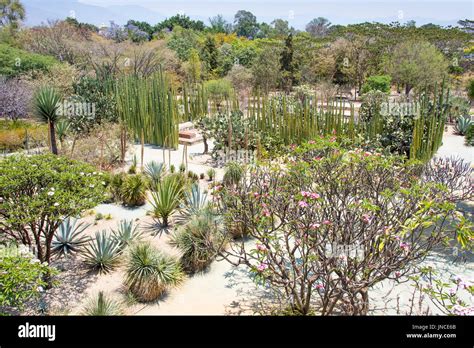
[(452, 292), (305, 194), (314, 226), (261, 247), (405, 246), (315, 195), (326, 222), (366, 218), (303, 204), (262, 267), (256, 194), (266, 212), (311, 142), (332, 140), (320, 286), (397, 274), (317, 158), (367, 154)]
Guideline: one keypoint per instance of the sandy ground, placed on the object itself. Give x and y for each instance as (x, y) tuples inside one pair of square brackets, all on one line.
[(223, 288)]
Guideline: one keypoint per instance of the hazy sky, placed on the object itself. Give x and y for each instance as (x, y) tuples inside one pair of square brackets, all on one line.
[(301, 11)]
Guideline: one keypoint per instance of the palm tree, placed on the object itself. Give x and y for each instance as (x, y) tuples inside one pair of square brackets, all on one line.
[(11, 11), (46, 104)]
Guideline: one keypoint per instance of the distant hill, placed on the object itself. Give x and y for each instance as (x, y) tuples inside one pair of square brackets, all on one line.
[(40, 11)]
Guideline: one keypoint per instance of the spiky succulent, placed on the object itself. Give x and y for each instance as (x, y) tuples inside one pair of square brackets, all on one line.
[(103, 252), (68, 239)]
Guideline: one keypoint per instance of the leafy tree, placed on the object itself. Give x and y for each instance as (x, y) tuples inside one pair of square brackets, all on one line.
[(287, 65), (39, 192), (210, 54), (116, 32), (242, 80), (179, 20), (467, 25), (143, 26), (416, 64), (220, 25), (318, 27), (281, 28), (193, 67), (266, 69), (11, 12), (182, 41), (245, 24), (377, 83)]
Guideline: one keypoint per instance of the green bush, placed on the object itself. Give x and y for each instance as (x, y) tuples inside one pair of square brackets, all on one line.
[(21, 277), (39, 192), (470, 89), (150, 273), (115, 186), (377, 83), (101, 305), (14, 61), (233, 173), (134, 189)]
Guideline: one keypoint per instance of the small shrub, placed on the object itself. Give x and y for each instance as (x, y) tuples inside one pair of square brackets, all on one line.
[(199, 242), (101, 305), (102, 253), (68, 239), (149, 273), (182, 168), (211, 174), (99, 216), (377, 83), (202, 176), (134, 190), (115, 186), (133, 167), (172, 168), (233, 173)]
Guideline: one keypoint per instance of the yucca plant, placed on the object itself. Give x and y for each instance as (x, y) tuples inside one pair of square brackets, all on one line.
[(166, 198), (103, 252), (154, 171), (126, 233), (150, 273), (194, 202), (68, 239), (62, 129), (199, 241), (101, 305), (233, 173), (133, 192), (462, 125), (46, 105), (133, 167)]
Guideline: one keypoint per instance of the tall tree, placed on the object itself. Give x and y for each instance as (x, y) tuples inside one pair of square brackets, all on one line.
[(210, 54), (318, 27), (416, 64), (219, 24), (287, 64), (11, 12), (245, 24)]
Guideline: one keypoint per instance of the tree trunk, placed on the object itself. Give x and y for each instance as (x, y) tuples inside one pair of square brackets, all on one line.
[(52, 134), (206, 145), (407, 89)]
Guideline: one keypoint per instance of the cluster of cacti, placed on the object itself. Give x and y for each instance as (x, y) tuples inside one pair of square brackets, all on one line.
[(193, 103), (148, 107)]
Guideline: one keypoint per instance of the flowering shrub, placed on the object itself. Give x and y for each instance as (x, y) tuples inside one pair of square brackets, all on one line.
[(37, 193), (330, 223), (21, 276)]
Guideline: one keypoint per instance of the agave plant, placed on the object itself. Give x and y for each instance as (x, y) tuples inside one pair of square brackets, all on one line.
[(199, 240), (133, 191), (462, 125), (62, 129), (166, 198), (101, 305), (126, 233), (195, 201), (103, 253), (233, 173), (150, 273), (68, 239), (46, 105), (154, 170)]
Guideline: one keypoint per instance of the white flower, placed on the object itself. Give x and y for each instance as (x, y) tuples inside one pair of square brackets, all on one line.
[(56, 204), (103, 182), (91, 186), (50, 193), (40, 289), (94, 173), (81, 173)]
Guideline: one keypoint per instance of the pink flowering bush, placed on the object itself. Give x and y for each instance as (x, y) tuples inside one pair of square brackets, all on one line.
[(329, 229)]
